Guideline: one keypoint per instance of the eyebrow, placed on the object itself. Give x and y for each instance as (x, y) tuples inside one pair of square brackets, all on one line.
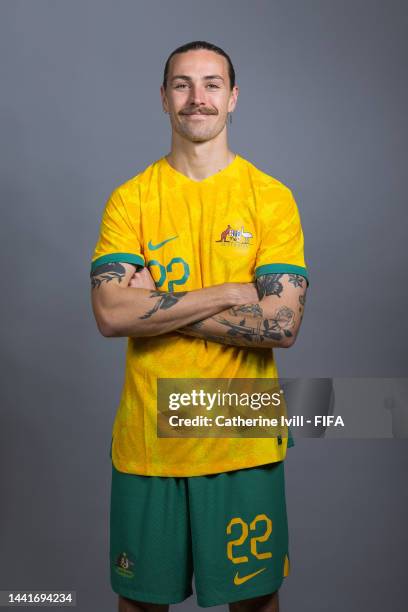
[(187, 78)]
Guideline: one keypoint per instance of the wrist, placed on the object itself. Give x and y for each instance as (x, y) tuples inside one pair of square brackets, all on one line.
[(220, 296), (229, 295)]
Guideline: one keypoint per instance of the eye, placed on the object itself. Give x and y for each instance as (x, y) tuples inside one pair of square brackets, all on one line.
[(180, 85), (213, 85)]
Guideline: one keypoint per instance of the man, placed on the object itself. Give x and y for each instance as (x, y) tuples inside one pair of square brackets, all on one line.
[(195, 306)]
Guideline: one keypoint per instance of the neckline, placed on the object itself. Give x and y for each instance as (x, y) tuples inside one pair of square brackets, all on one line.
[(210, 178)]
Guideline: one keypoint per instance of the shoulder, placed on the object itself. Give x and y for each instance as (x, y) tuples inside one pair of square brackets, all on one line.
[(135, 185), (273, 196), (263, 182)]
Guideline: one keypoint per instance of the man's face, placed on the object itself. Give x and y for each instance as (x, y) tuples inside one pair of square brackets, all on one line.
[(198, 95)]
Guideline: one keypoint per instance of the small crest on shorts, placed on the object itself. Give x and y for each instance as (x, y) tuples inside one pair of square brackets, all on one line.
[(124, 565)]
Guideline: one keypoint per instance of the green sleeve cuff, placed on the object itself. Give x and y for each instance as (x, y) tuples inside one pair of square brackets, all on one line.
[(281, 268), (131, 258)]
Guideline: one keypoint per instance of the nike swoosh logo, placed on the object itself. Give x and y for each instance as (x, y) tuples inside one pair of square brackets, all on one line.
[(154, 247), (240, 580)]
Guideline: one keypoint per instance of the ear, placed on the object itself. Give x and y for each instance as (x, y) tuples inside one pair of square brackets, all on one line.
[(164, 99), (233, 99)]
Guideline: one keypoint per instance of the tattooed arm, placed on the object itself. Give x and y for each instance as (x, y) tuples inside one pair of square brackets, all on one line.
[(140, 310), (273, 320)]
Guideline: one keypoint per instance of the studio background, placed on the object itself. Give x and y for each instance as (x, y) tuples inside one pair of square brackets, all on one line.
[(322, 108)]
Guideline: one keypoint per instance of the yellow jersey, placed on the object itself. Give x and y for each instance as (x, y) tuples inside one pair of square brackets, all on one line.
[(232, 226)]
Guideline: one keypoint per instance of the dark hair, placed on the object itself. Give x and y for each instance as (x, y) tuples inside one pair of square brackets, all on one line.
[(200, 44)]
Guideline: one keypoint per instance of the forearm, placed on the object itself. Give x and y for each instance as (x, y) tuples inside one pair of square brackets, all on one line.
[(272, 321), (123, 309), (239, 326), (142, 312)]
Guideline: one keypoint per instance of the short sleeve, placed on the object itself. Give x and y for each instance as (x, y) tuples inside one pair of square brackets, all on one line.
[(281, 248), (119, 234)]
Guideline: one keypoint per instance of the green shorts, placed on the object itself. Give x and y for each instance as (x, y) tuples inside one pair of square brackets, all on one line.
[(230, 529)]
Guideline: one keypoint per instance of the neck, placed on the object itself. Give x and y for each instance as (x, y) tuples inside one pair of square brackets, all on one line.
[(199, 160)]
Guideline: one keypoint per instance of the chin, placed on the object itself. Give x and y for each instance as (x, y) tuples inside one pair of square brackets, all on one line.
[(197, 137), (200, 137)]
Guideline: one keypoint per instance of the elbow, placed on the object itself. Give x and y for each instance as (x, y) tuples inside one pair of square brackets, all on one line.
[(108, 332), (111, 324), (111, 327), (288, 341), (105, 328), (106, 324)]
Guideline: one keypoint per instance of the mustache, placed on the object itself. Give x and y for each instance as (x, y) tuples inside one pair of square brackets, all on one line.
[(201, 111)]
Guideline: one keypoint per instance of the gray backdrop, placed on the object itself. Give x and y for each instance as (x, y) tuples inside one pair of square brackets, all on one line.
[(322, 108)]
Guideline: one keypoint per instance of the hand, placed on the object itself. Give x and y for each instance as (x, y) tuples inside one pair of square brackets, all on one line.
[(242, 293), (142, 280)]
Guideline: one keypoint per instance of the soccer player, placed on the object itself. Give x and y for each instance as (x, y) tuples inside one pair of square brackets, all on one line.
[(193, 305)]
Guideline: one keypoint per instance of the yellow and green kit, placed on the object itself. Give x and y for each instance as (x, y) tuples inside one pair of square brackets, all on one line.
[(229, 529), (214, 507), (233, 226)]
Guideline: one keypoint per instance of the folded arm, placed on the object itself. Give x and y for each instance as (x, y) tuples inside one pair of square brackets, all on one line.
[(273, 320), (139, 309)]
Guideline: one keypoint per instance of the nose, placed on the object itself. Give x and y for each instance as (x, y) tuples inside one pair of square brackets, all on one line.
[(197, 94)]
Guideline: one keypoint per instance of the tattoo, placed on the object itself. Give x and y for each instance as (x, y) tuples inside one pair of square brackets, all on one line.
[(249, 326), (283, 320), (196, 325), (107, 272), (251, 309), (249, 332), (258, 330), (302, 299), (193, 329), (166, 300), (268, 284), (296, 280), (224, 340)]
